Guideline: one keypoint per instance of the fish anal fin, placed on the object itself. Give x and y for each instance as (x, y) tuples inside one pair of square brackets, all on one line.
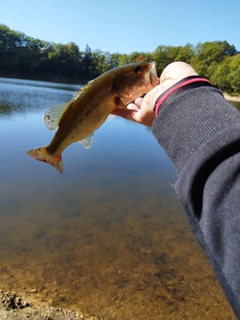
[(87, 142)]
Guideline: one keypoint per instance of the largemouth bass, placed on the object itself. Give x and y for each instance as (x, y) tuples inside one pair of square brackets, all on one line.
[(76, 120)]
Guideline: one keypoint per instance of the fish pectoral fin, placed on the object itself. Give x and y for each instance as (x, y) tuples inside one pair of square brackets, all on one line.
[(87, 142), (118, 103), (53, 115)]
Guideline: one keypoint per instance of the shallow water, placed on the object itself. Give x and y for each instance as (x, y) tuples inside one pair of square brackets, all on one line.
[(108, 236)]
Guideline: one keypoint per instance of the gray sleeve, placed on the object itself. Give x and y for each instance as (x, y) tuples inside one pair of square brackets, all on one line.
[(200, 132)]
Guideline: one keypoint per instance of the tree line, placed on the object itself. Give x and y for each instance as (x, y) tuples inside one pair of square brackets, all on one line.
[(24, 56)]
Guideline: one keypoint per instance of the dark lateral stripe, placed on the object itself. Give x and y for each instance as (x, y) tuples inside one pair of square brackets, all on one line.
[(185, 84)]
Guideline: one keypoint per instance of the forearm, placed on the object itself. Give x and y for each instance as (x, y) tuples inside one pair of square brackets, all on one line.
[(200, 131)]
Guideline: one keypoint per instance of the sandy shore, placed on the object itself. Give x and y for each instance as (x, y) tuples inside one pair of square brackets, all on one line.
[(15, 306), (231, 98)]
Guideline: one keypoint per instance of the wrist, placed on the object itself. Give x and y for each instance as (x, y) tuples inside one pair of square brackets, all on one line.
[(182, 85)]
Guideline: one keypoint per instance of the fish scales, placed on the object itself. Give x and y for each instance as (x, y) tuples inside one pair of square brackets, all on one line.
[(88, 111), (96, 107)]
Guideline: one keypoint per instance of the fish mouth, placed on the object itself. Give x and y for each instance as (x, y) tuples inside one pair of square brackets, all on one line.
[(153, 75)]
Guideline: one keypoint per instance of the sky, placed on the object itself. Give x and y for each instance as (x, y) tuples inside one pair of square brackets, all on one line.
[(125, 26)]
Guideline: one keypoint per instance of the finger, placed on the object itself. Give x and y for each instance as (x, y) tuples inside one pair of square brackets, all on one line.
[(133, 106), (127, 114), (138, 102)]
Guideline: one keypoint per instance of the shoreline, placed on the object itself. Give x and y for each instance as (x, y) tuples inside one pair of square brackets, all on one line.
[(65, 80), (15, 305), (231, 98)]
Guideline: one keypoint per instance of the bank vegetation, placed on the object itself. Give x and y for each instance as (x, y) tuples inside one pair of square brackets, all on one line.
[(27, 57)]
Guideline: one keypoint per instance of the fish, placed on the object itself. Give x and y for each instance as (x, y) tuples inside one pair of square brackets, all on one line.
[(76, 121)]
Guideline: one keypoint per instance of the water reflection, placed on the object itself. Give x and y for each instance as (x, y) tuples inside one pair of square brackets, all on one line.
[(25, 95), (108, 236), (41, 84)]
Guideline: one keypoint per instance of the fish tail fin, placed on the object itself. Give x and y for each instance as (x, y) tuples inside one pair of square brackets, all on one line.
[(43, 155)]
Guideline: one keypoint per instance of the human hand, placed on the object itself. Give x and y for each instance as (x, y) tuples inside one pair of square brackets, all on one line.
[(142, 110)]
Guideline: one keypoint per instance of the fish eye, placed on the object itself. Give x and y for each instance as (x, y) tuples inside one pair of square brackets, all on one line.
[(138, 70)]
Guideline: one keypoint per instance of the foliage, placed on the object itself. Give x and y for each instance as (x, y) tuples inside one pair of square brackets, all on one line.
[(24, 56), (234, 74), (210, 55)]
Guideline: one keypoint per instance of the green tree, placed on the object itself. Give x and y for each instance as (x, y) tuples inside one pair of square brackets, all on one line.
[(139, 56), (10, 40), (87, 63), (211, 53), (65, 60), (123, 60), (99, 63), (227, 74), (18, 52), (26, 56), (113, 60), (234, 73), (185, 53), (162, 57), (220, 74), (45, 63)]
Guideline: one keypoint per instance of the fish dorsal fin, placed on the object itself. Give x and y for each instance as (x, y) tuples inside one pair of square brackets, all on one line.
[(83, 89), (87, 142), (53, 115)]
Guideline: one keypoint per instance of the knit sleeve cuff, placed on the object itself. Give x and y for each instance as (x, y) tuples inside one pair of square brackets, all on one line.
[(182, 85)]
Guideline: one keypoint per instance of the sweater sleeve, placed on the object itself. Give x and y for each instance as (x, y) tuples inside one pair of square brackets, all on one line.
[(200, 132)]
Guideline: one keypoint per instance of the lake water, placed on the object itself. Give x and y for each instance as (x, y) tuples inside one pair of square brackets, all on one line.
[(108, 236)]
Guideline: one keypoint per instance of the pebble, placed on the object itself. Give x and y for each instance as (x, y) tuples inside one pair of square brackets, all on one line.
[(13, 306), (33, 291)]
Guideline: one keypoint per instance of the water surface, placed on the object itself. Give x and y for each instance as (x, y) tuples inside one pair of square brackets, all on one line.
[(108, 236)]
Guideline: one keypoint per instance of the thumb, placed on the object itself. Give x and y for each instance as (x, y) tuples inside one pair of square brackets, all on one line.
[(173, 73)]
